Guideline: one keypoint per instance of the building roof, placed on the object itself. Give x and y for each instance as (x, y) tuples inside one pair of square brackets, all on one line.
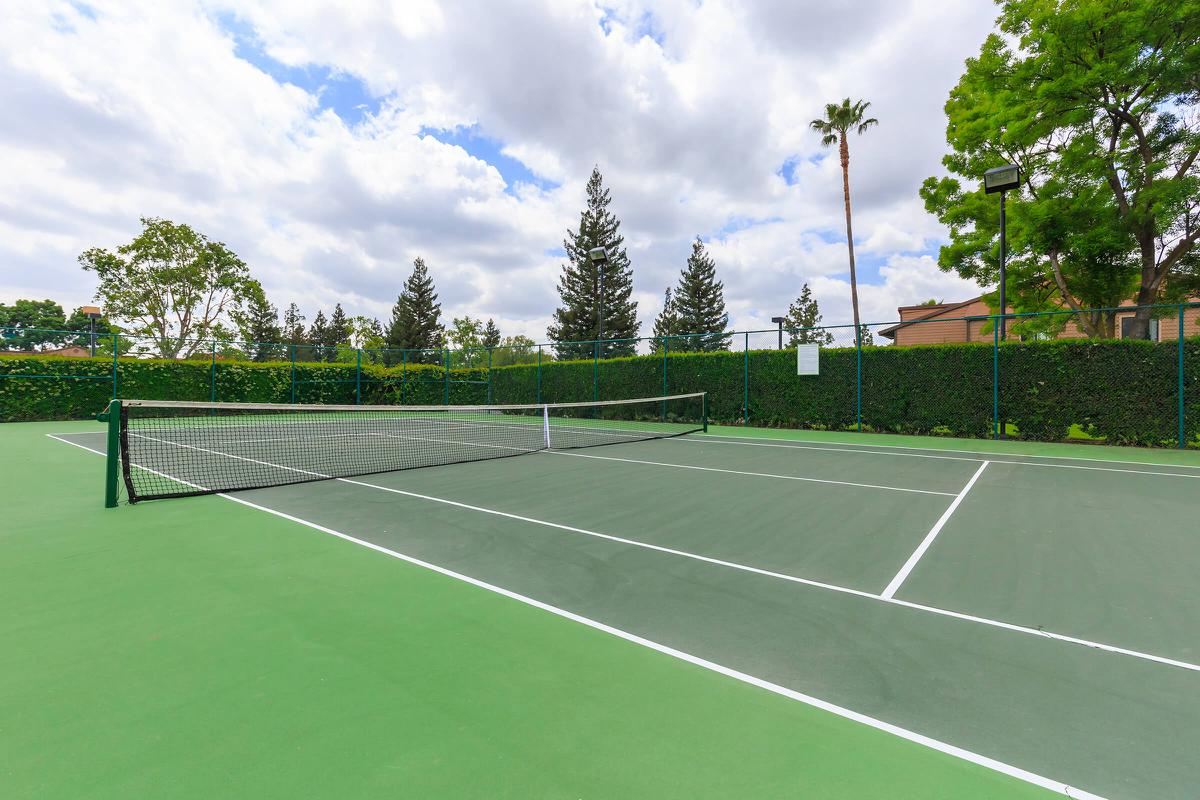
[(934, 311)]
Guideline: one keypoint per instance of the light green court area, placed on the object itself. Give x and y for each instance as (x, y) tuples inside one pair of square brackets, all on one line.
[(202, 647)]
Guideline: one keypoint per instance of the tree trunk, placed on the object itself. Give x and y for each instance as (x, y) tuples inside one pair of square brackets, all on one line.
[(844, 151), (1147, 294)]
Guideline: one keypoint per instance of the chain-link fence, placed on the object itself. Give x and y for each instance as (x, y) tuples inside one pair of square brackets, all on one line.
[(1121, 376)]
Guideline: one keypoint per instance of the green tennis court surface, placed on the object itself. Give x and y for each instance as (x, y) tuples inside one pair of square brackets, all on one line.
[(721, 615)]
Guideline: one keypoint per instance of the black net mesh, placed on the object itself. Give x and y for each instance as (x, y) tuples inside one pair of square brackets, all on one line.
[(179, 449)]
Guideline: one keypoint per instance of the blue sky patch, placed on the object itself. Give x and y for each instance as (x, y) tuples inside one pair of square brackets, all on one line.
[(488, 149)]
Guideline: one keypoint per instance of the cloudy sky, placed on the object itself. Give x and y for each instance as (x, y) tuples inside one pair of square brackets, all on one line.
[(329, 144)]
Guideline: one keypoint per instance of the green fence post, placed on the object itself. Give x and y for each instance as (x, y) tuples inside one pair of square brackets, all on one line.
[(746, 381), (1181, 442), (995, 378), (112, 464), (666, 343), (292, 358), (446, 376), (212, 375), (116, 348), (489, 400), (539, 376), (858, 376), (358, 376)]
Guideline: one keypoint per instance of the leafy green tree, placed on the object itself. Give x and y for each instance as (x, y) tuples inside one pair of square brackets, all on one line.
[(1096, 101), (838, 121), (416, 318), (666, 324), (31, 324), (466, 336), (258, 325), (579, 285), (170, 283), (804, 320), (367, 334), (514, 350), (491, 334), (865, 338), (104, 329), (700, 303)]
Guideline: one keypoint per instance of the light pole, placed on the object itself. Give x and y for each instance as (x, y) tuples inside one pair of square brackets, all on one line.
[(599, 257), (93, 314), (779, 321), (1001, 179)]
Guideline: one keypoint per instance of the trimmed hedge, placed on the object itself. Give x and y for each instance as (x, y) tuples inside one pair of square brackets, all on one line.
[(1124, 392)]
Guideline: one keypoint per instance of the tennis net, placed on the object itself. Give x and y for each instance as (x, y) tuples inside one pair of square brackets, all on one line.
[(177, 449)]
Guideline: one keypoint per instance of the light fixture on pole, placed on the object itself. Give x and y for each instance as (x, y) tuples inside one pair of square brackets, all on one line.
[(779, 321), (1001, 179), (599, 257), (92, 313)]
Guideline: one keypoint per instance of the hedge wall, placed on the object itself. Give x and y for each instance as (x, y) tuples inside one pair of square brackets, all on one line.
[(1121, 391)]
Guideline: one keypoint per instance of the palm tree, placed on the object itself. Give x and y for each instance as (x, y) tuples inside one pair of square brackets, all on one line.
[(838, 120)]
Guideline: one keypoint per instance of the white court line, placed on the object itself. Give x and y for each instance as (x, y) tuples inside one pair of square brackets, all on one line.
[(902, 575), (711, 437), (742, 677), (1039, 632)]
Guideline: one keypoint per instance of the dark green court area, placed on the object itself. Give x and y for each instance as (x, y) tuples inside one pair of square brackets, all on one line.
[(728, 614)]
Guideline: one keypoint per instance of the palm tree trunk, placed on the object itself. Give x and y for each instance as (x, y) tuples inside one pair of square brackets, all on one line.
[(844, 149)]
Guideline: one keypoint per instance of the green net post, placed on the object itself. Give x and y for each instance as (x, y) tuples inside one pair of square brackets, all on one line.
[(539, 375), (212, 374), (665, 344), (446, 376), (358, 376), (746, 380), (995, 378), (703, 410), (115, 341), (112, 459), (292, 359), (858, 375), (1179, 440), (489, 389)]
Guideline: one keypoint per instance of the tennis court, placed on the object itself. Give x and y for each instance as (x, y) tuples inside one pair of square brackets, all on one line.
[(721, 613)]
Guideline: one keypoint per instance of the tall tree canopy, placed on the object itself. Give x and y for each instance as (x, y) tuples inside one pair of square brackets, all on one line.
[(491, 334), (515, 350), (839, 120), (41, 324), (803, 321), (579, 286), (665, 324), (293, 325), (258, 325), (465, 335), (700, 303), (1096, 101), (416, 318), (171, 283)]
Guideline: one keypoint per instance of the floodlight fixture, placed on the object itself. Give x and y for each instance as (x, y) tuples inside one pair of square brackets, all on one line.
[(779, 321)]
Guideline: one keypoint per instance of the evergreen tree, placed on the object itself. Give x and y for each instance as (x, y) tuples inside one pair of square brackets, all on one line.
[(258, 325), (338, 337), (579, 285), (700, 303), (293, 326), (318, 335), (367, 334), (665, 324), (415, 321), (491, 334), (803, 319)]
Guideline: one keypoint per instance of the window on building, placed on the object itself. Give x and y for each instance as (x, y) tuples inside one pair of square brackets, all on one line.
[(1127, 324)]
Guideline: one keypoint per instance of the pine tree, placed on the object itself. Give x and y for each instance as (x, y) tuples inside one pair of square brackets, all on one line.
[(700, 303), (338, 333), (318, 335), (415, 319), (491, 334), (665, 324), (579, 285), (293, 329), (258, 325), (803, 319)]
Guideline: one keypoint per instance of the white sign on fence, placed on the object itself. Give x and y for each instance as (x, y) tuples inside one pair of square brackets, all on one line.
[(808, 357)]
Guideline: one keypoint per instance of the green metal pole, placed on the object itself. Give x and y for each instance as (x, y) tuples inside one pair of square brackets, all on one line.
[(596, 370), (116, 340), (1180, 442), (292, 357), (666, 343), (858, 376), (704, 410), (539, 375), (403, 375), (212, 375), (489, 393), (446, 376), (112, 466), (746, 381), (995, 379), (358, 376)]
